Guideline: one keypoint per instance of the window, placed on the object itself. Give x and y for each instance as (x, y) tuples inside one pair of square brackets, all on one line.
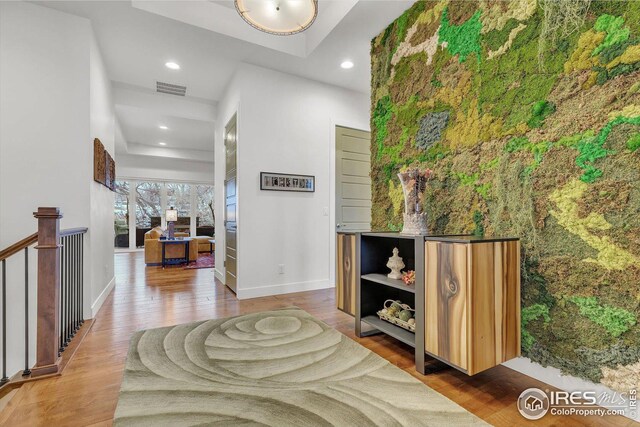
[(204, 199), (148, 204), (121, 221), (179, 197)]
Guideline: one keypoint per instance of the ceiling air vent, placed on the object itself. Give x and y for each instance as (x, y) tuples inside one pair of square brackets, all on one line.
[(171, 89)]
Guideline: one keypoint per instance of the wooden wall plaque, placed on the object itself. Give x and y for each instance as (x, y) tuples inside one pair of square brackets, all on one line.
[(99, 171), (112, 174), (104, 167)]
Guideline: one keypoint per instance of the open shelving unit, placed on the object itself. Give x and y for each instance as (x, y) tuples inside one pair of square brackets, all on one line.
[(390, 329), (374, 287), (466, 296), (384, 280)]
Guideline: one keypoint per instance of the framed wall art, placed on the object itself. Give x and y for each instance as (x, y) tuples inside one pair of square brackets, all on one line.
[(272, 181), (104, 167), (110, 171), (99, 162)]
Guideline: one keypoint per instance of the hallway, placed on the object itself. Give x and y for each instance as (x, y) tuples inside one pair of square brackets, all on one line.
[(87, 392)]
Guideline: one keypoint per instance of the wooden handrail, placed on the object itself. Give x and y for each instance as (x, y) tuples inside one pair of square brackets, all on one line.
[(18, 246), (72, 231), (33, 239)]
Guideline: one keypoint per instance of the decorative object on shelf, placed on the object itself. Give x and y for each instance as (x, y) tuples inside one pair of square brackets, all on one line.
[(281, 18), (287, 182), (414, 183), (399, 314), (104, 167), (409, 277), (396, 264)]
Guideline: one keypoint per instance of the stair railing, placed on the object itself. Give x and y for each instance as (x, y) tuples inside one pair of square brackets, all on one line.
[(59, 309)]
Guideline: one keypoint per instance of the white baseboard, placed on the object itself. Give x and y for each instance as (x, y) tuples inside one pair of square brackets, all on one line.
[(557, 379), (95, 307), (285, 288), (219, 274)]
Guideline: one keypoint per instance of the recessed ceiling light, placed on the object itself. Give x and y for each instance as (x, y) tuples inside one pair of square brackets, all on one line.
[(162, 143), (163, 127), (172, 66), (346, 64)]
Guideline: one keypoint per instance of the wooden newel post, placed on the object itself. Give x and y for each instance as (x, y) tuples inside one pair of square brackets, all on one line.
[(48, 340)]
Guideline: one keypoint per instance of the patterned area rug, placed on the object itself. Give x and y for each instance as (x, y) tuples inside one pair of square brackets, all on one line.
[(203, 261), (274, 368)]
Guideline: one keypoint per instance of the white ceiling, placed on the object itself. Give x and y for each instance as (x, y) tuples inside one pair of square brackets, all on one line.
[(136, 43), (221, 17), (142, 126)]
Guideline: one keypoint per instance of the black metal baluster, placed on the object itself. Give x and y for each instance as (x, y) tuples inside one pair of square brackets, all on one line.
[(66, 292), (4, 323), (74, 306), (60, 301), (77, 312), (71, 284), (81, 279), (79, 301), (74, 278), (66, 302), (63, 293), (75, 285), (26, 371)]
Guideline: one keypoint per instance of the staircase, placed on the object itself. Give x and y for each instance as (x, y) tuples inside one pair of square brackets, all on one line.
[(58, 307)]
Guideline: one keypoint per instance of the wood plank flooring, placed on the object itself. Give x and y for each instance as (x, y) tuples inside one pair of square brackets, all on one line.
[(87, 392)]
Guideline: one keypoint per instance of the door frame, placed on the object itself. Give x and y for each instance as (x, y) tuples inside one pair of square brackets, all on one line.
[(233, 117), (332, 190), (220, 271)]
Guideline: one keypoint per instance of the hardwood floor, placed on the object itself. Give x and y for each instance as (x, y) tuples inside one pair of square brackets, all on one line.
[(87, 392)]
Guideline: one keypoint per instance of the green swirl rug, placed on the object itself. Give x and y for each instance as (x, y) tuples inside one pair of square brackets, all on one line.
[(274, 368)]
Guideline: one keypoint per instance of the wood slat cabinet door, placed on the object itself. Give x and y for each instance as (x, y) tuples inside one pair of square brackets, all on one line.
[(346, 273), (446, 302), (472, 303), (494, 304)]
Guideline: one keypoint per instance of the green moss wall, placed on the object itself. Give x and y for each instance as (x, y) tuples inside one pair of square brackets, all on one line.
[(529, 140)]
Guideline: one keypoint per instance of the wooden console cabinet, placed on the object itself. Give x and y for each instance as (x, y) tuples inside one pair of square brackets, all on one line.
[(472, 301), (466, 296), (346, 272)]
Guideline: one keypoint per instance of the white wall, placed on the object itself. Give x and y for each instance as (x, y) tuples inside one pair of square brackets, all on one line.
[(163, 169), (101, 230), (44, 113), (50, 106), (285, 124)]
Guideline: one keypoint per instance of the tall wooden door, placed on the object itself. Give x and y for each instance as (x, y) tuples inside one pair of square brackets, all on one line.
[(353, 182), (231, 202)]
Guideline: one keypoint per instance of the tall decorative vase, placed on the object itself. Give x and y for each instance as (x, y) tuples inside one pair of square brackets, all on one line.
[(414, 184)]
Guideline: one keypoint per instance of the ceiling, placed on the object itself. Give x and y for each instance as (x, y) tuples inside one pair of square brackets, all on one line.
[(208, 39)]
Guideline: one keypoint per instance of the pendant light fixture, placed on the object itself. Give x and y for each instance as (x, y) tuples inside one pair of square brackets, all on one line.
[(279, 17)]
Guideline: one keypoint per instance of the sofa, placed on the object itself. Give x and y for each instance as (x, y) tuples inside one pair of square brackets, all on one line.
[(153, 247), (203, 244)]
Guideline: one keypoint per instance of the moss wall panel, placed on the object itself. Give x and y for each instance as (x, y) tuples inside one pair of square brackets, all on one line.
[(539, 139)]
